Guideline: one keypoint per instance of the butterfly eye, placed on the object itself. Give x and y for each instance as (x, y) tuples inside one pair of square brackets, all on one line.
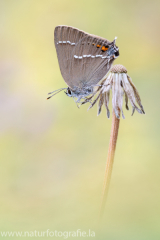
[(117, 53), (69, 91)]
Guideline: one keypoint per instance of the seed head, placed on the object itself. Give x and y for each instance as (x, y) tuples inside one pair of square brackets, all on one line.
[(118, 69), (121, 84)]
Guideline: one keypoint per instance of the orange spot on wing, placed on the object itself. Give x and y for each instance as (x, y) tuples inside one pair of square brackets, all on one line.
[(98, 46), (104, 48)]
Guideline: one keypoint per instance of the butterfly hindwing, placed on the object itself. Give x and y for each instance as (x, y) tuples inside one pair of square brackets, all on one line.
[(90, 64)]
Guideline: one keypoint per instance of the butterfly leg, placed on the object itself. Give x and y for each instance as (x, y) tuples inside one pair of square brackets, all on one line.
[(75, 102)]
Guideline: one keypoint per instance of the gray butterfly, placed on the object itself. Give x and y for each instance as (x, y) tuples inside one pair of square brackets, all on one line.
[(84, 60)]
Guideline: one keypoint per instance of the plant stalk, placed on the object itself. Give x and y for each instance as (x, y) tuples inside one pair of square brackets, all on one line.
[(110, 159)]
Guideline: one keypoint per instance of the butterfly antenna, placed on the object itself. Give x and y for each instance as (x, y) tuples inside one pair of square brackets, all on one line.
[(55, 92)]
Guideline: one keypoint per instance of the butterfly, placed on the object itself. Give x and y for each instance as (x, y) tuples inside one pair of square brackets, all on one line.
[(84, 60)]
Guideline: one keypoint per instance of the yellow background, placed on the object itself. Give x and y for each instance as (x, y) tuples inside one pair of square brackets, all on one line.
[(52, 154)]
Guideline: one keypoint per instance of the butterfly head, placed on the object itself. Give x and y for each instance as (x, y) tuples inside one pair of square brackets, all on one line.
[(113, 50)]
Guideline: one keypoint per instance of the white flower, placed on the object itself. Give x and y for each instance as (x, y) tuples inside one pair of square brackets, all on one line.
[(121, 85)]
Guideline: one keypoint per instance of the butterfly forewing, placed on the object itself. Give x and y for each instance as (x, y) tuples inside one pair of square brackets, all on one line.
[(84, 59), (66, 39)]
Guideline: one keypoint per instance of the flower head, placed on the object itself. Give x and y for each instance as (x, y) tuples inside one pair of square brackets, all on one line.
[(121, 85)]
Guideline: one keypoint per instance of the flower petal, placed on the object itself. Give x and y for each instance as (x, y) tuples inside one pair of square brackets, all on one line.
[(129, 91), (133, 110), (101, 101), (126, 100), (117, 92), (107, 83), (120, 93), (136, 94), (106, 102), (123, 115), (114, 95)]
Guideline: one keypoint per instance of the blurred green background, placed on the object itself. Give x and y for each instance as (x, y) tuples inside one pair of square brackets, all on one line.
[(53, 155)]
